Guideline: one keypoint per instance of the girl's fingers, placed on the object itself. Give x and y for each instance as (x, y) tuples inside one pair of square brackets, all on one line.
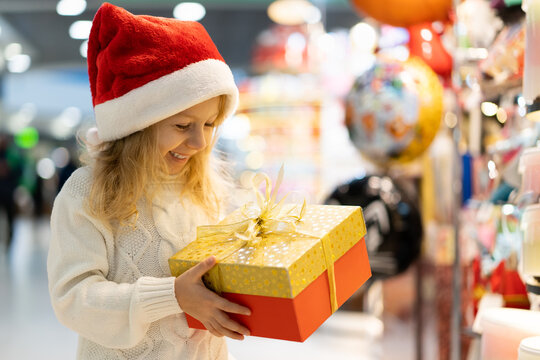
[(202, 268), (229, 324), (227, 332), (231, 307), (212, 330)]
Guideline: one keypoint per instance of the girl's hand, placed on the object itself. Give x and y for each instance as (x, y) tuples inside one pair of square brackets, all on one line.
[(205, 305)]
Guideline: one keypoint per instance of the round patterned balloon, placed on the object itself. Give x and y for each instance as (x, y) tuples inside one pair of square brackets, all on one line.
[(394, 110)]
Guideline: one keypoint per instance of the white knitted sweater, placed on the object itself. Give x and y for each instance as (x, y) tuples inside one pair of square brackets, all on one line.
[(116, 290)]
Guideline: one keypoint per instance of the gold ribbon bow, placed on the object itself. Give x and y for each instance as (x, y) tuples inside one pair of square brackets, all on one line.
[(263, 224)]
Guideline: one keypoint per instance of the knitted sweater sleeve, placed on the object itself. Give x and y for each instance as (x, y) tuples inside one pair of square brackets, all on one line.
[(111, 314)]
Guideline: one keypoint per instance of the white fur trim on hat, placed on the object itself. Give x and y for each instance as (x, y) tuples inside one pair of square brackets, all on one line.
[(166, 96)]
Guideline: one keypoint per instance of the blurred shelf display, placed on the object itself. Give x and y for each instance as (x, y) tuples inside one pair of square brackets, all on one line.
[(493, 90), (269, 130)]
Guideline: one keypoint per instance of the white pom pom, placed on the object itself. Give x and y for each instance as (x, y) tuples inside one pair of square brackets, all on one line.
[(92, 137)]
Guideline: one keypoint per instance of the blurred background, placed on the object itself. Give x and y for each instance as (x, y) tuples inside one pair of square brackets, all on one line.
[(412, 109)]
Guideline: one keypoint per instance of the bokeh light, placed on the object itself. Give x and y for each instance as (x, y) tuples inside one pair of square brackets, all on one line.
[(45, 168), (60, 156), (27, 138), (189, 11)]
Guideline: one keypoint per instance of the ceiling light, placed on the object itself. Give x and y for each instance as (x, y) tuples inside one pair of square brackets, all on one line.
[(189, 11), (12, 50), (293, 12), (70, 7), (19, 63), (80, 29)]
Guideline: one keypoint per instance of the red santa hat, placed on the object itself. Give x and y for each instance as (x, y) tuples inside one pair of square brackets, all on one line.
[(144, 69)]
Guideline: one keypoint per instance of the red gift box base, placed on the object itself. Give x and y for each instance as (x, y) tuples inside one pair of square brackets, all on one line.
[(296, 319)]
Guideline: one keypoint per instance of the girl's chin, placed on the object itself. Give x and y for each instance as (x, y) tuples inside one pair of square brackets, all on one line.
[(175, 170), (175, 165)]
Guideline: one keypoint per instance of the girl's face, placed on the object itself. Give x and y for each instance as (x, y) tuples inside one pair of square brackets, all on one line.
[(187, 133)]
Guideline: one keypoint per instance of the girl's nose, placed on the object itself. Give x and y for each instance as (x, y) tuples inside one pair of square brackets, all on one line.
[(196, 138)]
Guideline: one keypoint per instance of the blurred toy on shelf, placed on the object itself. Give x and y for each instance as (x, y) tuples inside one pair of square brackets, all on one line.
[(491, 243), (277, 123), (286, 49), (479, 24), (505, 56)]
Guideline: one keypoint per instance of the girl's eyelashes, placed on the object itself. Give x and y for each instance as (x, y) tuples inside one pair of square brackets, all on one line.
[(187, 126)]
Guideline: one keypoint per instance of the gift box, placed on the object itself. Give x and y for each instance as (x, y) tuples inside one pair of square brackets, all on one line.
[(293, 267)]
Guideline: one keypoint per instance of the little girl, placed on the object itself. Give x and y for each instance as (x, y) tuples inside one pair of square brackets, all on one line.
[(160, 90)]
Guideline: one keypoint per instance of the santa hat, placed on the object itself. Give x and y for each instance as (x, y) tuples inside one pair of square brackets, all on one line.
[(144, 69)]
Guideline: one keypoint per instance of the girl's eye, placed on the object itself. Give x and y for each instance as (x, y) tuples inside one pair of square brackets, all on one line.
[(182, 127), (210, 125)]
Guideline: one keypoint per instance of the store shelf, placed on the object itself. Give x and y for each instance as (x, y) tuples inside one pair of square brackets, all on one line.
[(492, 90)]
